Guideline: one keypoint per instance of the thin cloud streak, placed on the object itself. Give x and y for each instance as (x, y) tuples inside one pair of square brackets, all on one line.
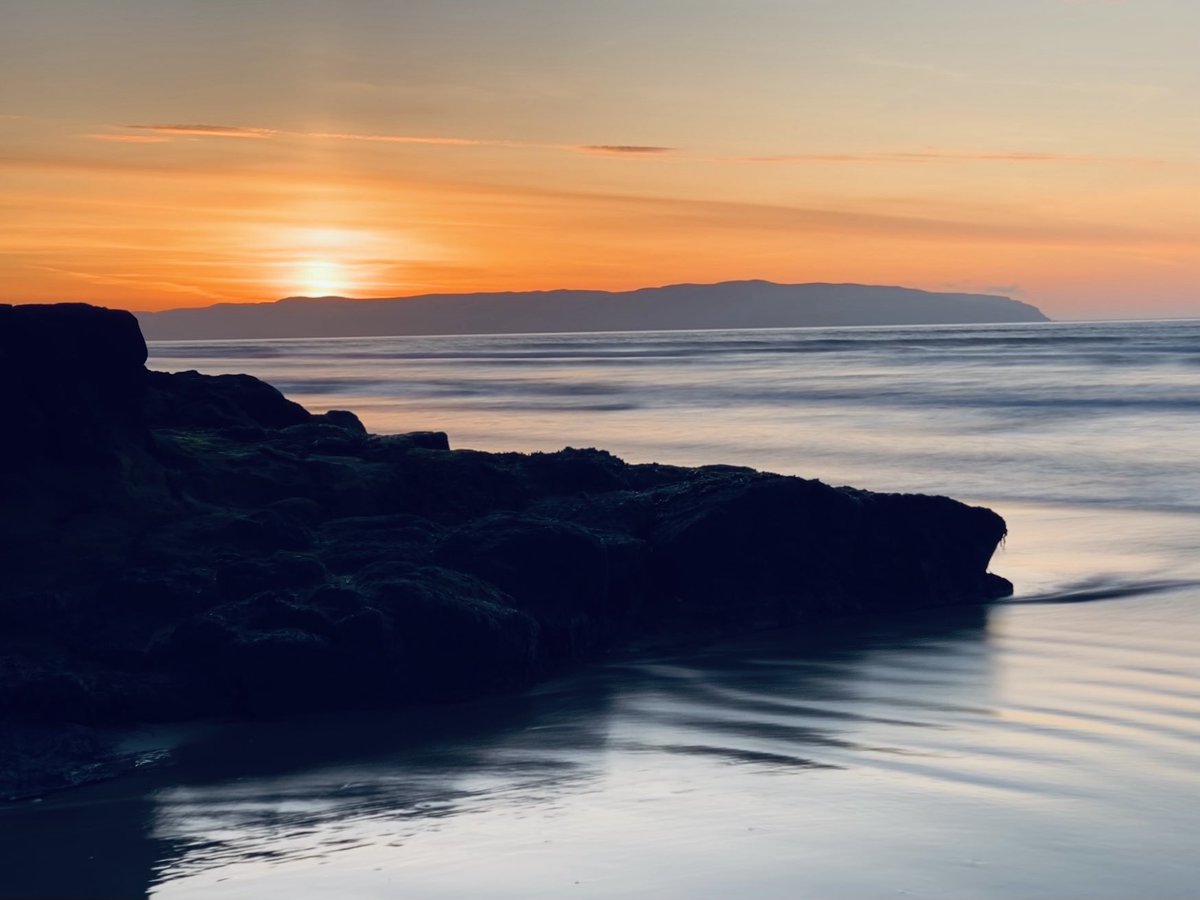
[(240, 131), (395, 139), (221, 131), (131, 138), (801, 220), (622, 149), (127, 279), (165, 132), (935, 156)]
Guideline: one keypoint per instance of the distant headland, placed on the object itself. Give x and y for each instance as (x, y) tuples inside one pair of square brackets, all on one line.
[(730, 304)]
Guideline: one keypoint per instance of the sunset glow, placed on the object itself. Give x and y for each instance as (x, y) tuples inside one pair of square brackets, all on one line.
[(1042, 149), (320, 277)]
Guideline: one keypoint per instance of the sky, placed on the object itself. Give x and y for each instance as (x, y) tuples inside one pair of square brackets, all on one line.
[(166, 153)]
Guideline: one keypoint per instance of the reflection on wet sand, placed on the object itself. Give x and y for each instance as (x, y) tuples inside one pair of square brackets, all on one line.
[(269, 794), (1037, 749)]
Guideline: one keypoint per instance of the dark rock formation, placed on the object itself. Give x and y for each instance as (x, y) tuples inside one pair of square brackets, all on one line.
[(187, 545)]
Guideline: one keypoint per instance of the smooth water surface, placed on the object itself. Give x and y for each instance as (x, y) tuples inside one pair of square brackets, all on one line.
[(1077, 412), (1044, 747)]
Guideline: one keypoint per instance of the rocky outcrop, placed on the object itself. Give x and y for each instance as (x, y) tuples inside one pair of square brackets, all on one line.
[(186, 545)]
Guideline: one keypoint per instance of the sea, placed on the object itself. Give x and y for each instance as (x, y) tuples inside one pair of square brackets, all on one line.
[(1045, 746)]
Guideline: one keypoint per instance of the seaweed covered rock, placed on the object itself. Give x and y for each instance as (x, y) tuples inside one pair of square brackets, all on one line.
[(555, 571), (750, 544), (192, 400)]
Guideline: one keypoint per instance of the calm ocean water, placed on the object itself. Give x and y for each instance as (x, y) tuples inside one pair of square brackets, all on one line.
[(1045, 747)]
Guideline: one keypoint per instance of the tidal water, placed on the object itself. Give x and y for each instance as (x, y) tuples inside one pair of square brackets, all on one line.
[(1046, 746)]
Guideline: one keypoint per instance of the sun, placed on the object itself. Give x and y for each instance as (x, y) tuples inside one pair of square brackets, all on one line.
[(322, 277)]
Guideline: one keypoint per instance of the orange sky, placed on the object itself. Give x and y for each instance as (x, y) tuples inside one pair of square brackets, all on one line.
[(162, 153)]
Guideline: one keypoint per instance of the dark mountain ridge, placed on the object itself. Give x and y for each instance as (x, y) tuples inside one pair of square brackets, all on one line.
[(731, 304)]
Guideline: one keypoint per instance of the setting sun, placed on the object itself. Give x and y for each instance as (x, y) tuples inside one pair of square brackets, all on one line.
[(322, 278)]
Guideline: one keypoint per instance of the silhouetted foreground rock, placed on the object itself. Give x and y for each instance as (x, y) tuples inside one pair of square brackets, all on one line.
[(183, 545)]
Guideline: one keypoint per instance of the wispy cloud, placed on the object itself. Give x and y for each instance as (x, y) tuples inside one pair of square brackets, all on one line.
[(942, 156), (150, 134), (623, 149), (131, 138), (220, 131), (163, 133), (120, 279), (739, 216), (394, 138)]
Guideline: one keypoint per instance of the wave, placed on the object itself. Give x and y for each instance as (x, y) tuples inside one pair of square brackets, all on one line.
[(1103, 588)]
